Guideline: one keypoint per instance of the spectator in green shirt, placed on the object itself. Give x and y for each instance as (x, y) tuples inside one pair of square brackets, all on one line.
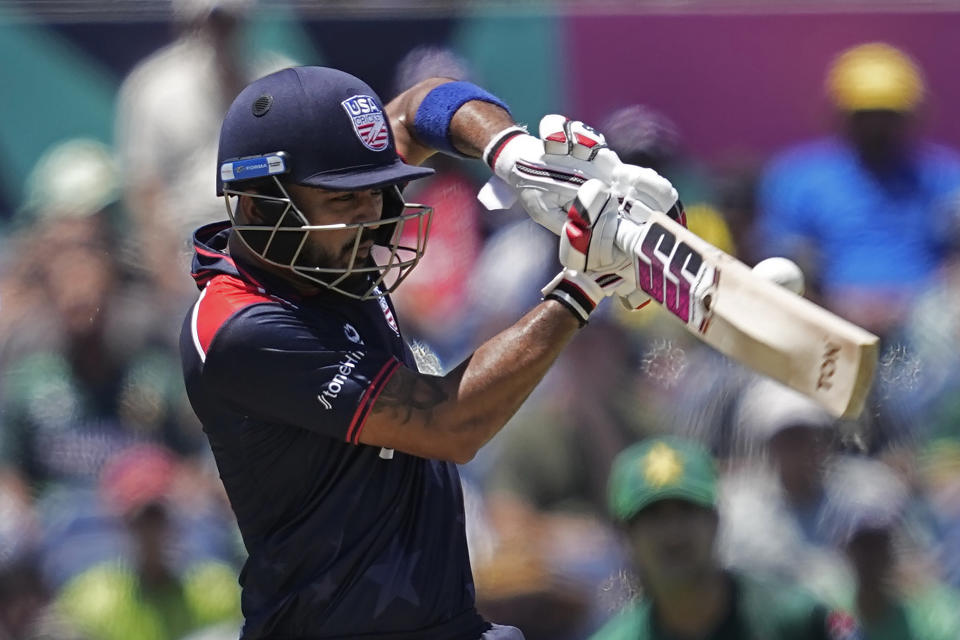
[(149, 593), (898, 593), (663, 491)]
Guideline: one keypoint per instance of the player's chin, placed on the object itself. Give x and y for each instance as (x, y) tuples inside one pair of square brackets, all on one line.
[(363, 260)]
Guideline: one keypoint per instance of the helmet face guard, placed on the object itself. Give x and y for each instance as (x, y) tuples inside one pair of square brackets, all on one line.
[(320, 127), (283, 240)]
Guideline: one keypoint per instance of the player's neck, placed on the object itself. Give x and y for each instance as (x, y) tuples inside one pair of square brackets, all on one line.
[(696, 609), (875, 600)]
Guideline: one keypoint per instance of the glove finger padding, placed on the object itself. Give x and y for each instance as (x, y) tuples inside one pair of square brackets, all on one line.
[(587, 242), (635, 184), (631, 297), (570, 137)]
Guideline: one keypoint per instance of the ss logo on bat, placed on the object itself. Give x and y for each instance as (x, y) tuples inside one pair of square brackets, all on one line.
[(676, 276)]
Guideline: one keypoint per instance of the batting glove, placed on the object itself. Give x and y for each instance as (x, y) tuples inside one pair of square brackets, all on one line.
[(588, 237), (545, 172), (598, 238)]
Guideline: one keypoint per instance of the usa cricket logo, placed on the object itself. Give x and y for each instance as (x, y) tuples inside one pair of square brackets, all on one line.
[(368, 122)]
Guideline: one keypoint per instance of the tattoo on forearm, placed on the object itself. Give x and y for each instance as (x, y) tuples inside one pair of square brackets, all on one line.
[(408, 391)]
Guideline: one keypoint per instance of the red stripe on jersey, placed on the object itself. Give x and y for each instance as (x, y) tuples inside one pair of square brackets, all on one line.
[(373, 398), (366, 401), (213, 254), (221, 299)]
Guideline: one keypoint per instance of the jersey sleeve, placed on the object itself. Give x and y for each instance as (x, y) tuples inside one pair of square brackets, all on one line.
[(266, 363), (793, 613)]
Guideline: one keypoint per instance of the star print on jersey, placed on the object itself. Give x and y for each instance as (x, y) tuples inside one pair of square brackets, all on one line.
[(321, 591), (393, 576)]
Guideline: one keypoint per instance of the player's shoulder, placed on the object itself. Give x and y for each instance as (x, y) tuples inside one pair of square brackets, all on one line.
[(631, 623), (225, 295), (246, 310), (939, 161), (938, 152), (810, 156), (789, 609), (771, 590)]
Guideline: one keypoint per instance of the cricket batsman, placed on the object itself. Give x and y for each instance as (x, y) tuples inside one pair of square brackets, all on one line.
[(338, 456)]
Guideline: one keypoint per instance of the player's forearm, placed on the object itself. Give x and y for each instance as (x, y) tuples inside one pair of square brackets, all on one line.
[(493, 383), (471, 125), (453, 416)]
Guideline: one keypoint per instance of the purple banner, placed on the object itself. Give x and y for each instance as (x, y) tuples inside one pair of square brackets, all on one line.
[(747, 83)]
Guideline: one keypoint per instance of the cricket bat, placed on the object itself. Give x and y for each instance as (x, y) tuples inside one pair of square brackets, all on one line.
[(750, 319)]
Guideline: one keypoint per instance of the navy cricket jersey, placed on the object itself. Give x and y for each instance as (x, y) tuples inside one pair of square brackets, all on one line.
[(342, 543)]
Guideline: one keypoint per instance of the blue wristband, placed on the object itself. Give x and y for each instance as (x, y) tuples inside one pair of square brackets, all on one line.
[(432, 123)]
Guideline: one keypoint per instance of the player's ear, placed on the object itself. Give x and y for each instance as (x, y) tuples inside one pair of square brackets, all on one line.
[(248, 211), (261, 212)]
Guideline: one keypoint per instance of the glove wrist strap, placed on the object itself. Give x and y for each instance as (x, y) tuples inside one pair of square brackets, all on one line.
[(497, 144), (570, 289)]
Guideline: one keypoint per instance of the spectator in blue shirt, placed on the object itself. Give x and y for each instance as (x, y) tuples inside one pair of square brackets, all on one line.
[(868, 212)]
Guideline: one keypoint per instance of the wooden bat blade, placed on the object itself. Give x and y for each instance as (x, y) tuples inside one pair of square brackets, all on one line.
[(754, 321)]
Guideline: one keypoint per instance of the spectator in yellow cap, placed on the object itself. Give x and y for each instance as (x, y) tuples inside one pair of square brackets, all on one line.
[(869, 212), (875, 76), (877, 89), (664, 493)]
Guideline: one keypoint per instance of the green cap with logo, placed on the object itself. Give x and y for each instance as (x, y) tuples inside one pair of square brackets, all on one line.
[(659, 469)]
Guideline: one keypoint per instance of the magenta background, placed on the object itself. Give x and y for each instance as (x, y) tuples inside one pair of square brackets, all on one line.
[(747, 84)]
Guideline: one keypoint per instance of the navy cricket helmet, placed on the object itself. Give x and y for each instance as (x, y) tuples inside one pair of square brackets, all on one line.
[(324, 128)]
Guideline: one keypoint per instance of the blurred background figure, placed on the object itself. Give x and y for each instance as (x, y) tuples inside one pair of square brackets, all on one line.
[(27, 610), (643, 136), (85, 370), (700, 383), (156, 589), (546, 488), (73, 180), (870, 213), (664, 492), (773, 498), (433, 300), (167, 127), (898, 594)]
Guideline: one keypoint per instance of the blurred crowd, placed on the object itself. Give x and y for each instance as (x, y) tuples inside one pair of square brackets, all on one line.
[(113, 523)]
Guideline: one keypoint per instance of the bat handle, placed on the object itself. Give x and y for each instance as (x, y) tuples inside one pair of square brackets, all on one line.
[(629, 234)]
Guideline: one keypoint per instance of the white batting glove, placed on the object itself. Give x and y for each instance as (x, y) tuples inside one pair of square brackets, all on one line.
[(595, 266), (588, 237), (592, 237), (545, 172)]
